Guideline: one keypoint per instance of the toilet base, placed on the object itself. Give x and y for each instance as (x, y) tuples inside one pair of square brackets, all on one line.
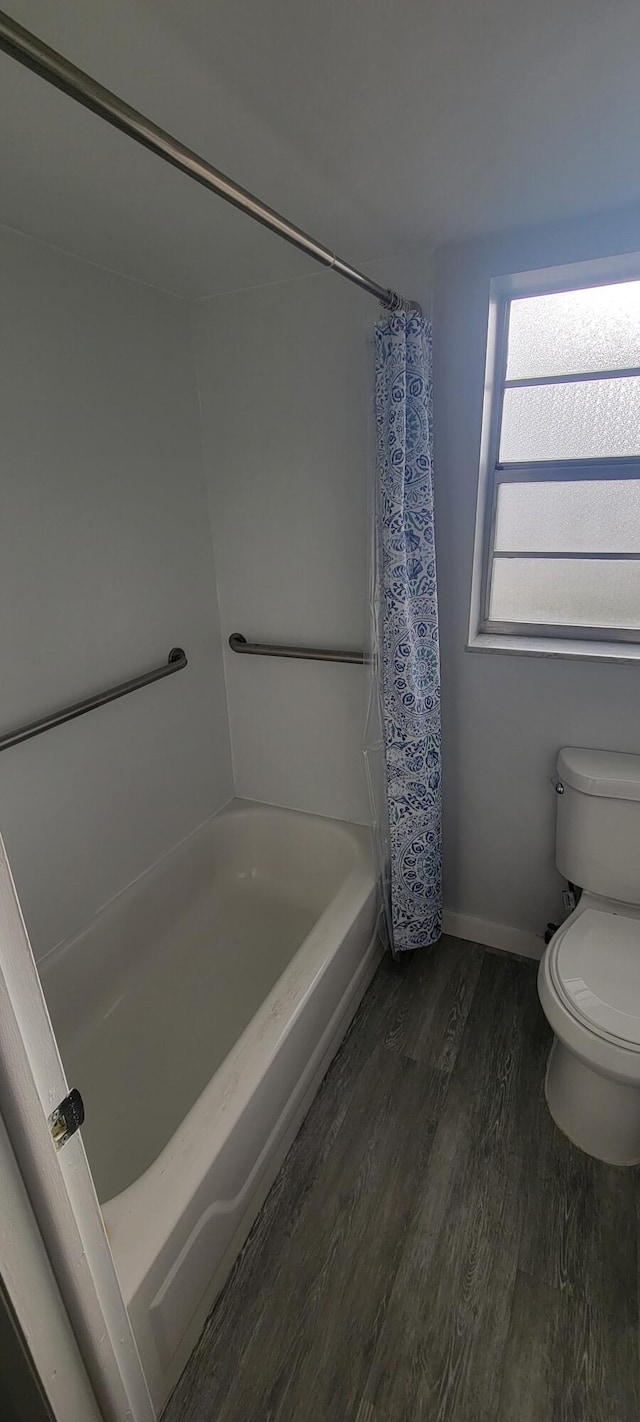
[(599, 1115)]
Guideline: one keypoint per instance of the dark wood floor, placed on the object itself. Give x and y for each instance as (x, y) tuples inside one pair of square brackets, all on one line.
[(433, 1249)]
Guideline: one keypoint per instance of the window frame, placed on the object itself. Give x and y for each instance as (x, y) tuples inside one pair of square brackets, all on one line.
[(560, 638)]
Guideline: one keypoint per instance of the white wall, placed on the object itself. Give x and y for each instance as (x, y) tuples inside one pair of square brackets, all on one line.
[(505, 716), (105, 564), (285, 374)]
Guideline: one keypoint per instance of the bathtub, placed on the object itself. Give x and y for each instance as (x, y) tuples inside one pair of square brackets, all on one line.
[(197, 1014)]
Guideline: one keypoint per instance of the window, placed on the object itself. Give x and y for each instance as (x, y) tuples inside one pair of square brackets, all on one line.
[(558, 531)]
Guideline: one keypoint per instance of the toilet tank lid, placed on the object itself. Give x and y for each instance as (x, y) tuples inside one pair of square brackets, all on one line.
[(611, 774)]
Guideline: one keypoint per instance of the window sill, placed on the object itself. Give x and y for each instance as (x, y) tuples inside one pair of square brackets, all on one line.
[(526, 646)]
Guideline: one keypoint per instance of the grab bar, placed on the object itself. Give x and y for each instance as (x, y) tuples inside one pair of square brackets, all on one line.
[(176, 661), (238, 643)]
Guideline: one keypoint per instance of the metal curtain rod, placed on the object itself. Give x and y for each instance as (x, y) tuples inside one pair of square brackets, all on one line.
[(30, 51), (238, 643), (175, 662)]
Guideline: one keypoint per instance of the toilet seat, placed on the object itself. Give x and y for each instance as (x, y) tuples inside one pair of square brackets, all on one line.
[(594, 966)]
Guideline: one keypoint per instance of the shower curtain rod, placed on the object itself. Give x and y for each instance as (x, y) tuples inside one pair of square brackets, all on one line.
[(30, 51)]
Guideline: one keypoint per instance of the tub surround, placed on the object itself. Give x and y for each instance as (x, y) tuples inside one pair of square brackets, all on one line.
[(105, 563), (289, 492)]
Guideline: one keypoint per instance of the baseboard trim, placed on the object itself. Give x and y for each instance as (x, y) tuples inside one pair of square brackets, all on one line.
[(493, 935)]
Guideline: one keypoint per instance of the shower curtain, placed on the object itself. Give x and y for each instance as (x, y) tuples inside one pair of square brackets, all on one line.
[(406, 658)]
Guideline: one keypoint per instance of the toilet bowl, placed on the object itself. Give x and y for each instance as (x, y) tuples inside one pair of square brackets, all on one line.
[(589, 977), (589, 986)]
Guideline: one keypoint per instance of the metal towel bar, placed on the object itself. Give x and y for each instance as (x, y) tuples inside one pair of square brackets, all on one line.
[(176, 661), (238, 643)]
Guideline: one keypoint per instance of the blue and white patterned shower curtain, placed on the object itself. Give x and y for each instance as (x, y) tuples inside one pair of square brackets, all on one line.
[(408, 665)]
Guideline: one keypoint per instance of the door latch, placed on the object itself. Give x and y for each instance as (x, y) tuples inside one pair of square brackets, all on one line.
[(67, 1118)]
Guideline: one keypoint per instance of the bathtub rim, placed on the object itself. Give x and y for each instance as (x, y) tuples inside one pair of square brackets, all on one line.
[(137, 1234)]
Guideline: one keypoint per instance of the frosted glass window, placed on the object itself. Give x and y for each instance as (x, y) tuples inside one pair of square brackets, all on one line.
[(573, 592), (561, 530), (579, 516), (566, 332), (589, 419)]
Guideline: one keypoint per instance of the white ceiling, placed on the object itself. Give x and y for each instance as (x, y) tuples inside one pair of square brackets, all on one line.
[(375, 125)]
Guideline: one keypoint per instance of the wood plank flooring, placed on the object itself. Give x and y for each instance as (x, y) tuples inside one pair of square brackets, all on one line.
[(433, 1250)]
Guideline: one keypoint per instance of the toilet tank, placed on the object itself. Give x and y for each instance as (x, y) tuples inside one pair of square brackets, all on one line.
[(598, 822)]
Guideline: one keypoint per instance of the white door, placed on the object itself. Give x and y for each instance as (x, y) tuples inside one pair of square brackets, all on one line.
[(59, 1194)]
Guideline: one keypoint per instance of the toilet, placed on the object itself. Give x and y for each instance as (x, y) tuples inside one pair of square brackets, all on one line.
[(589, 977)]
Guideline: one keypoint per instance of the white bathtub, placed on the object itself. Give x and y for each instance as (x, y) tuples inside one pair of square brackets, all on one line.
[(197, 1015)]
